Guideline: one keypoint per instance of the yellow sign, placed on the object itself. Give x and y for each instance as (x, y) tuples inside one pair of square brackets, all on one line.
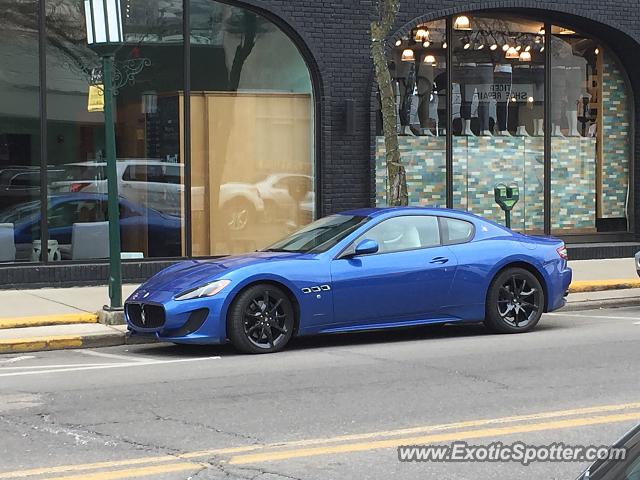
[(96, 98)]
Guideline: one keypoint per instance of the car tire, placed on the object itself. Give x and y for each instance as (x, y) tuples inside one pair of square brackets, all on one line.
[(515, 301), (261, 319)]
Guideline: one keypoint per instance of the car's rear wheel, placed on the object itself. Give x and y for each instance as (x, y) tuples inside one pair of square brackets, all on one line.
[(515, 301), (261, 319)]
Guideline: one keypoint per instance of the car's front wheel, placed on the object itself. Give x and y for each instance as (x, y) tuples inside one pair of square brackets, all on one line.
[(261, 319), (515, 301)]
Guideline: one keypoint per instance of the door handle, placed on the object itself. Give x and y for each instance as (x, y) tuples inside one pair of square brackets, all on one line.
[(439, 260)]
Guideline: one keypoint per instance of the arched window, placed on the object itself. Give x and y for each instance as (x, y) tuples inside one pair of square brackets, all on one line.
[(251, 131), (473, 92)]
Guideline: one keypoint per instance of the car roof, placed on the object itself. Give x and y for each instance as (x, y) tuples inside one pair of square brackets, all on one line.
[(375, 212)]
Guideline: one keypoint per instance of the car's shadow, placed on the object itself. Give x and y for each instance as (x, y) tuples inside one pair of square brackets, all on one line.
[(395, 335)]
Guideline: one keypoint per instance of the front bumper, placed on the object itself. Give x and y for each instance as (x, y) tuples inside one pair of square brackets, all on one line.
[(197, 321)]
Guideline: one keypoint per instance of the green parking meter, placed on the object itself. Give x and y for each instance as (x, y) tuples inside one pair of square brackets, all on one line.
[(506, 197)]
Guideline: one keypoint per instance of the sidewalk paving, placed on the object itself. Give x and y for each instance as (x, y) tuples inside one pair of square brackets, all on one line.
[(54, 318)]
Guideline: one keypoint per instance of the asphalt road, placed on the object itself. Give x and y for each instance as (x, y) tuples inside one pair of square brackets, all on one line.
[(333, 407)]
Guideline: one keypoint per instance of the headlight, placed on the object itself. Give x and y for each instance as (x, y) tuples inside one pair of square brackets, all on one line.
[(208, 290)]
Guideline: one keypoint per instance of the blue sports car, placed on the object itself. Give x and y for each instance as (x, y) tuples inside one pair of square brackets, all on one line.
[(358, 270)]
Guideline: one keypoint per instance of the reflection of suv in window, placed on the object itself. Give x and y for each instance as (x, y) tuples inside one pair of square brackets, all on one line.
[(153, 184)]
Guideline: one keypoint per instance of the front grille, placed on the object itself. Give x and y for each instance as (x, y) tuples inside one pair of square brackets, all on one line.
[(143, 315)]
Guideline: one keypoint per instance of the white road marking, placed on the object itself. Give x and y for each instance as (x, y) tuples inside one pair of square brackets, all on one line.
[(106, 366), (590, 316), (126, 358), (17, 359), (67, 365)]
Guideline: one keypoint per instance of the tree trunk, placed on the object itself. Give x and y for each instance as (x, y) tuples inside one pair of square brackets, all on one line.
[(396, 177)]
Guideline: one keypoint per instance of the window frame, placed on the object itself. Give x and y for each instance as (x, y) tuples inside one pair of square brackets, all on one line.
[(445, 228)]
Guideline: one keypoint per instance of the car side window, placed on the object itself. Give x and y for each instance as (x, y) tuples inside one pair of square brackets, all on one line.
[(456, 231), (408, 232)]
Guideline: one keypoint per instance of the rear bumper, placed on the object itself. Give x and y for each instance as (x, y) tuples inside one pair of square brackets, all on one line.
[(559, 289)]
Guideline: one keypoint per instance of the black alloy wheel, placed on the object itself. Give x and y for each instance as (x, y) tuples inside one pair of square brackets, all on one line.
[(261, 319), (515, 302)]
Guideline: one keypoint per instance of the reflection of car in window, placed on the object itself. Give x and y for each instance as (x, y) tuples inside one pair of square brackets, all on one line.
[(141, 228), (627, 468)]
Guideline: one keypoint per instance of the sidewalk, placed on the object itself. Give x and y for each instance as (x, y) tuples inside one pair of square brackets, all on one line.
[(54, 318)]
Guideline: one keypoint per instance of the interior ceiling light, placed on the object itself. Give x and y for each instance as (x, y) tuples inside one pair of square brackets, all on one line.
[(421, 35), (527, 48), (512, 53), (480, 47), (430, 59), (597, 51), (462, 23), (519, 47), (505, 47), (408, 55), (525, 56), (542, 49), (426, 44), (398, 42), (494, 46), (566, 31), (444, 45), (541, 31)]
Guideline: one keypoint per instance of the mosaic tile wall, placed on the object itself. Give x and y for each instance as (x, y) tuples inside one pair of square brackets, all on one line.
[(424, 159), (616, 148), (573, 183), (482, 162)]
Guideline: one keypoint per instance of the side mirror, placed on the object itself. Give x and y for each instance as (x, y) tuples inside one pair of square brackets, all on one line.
[(366, 247)]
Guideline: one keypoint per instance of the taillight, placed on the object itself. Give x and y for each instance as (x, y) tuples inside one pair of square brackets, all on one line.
[(562, 251), (76, 187)]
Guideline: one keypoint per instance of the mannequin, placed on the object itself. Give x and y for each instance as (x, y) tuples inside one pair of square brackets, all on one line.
[(503, 74), (484, 77), (575, 78), (425, 87), (464, 77), (537, 75)]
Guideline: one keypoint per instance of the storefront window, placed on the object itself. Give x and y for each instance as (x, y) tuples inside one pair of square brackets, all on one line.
[(418, 69), (251, 131), (19, 132), (590, 144), (498, 94), (498, 110), (148, 133)]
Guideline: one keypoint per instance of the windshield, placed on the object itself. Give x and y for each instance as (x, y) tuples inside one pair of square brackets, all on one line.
[(320, 235)]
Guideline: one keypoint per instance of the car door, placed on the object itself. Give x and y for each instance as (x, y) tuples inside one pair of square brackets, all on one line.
[(408, 279)]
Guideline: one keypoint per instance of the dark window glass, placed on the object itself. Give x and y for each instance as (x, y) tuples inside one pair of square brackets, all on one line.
[(19, 130)]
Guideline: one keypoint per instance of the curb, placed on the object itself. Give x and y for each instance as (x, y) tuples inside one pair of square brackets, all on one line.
[(596, 304), (602, 285), (48, 320), (65, 342)]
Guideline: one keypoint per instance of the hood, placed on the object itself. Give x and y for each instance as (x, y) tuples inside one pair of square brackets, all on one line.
[(194, 273)]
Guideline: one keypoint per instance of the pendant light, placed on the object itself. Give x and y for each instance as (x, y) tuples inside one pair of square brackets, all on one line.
[(430, 60), (421, 35), (408, 55), (512, 53), (462, 23), (525, 56)]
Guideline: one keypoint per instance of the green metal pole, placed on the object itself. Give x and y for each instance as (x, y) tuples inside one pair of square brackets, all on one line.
[(115, 268)]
